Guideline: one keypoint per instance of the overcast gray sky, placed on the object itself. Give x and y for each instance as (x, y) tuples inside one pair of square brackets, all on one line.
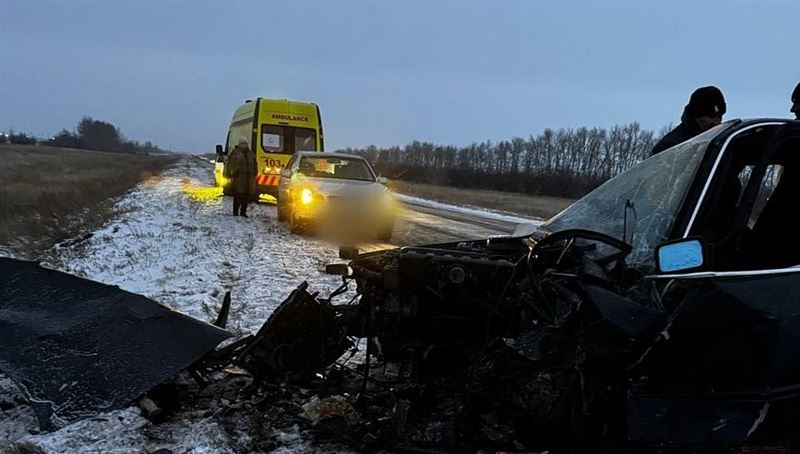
[(386, 73)]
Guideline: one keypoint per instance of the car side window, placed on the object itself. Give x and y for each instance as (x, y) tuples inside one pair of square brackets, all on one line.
[(747, 225), (770, 240), (768, 185)]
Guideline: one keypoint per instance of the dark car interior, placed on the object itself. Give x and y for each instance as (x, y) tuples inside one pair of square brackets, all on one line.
[(747, 223)]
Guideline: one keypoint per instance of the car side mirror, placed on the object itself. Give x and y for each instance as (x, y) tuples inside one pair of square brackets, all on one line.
[(220, 150), (382, 180), (686, 254)]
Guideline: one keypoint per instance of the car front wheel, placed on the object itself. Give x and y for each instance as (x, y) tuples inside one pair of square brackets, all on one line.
[(283, 210), (295, 226), (385, 231)]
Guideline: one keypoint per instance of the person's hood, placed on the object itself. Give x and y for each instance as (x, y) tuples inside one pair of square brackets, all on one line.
[(688, 122)]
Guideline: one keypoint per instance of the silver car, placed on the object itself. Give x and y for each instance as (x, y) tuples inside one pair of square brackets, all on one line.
[(334, 191)]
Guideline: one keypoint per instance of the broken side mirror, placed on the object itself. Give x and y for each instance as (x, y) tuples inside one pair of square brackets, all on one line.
[(382, 180), (686, 254)]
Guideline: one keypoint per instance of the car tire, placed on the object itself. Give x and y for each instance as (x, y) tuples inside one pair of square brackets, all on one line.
[(385, 232), (283, 211), (295, 226)]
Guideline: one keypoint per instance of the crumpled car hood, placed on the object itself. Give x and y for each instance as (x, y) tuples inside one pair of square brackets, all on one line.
[(77, 348)]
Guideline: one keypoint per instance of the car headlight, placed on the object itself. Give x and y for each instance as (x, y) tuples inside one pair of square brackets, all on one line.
[(306, 196)]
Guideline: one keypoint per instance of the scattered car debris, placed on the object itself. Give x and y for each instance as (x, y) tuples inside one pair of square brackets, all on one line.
[(330, 407)]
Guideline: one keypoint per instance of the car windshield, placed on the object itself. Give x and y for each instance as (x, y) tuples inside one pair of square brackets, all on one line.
[(648, 196), (335, 167)]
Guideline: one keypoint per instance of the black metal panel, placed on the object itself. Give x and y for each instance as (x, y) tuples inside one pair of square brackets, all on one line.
[(78, 347), (724, 367)]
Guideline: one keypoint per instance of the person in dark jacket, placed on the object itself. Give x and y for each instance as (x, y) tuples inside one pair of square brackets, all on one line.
[(704, 111), (241, 171), (796, 102)]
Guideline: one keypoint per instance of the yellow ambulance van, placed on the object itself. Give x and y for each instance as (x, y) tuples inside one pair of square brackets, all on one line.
[(275, 129)]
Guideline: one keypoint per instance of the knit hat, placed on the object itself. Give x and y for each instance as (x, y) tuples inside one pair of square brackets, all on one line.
[(706, 102)]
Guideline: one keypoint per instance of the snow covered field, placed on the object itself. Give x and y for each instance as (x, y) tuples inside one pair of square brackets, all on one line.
[(176, 242)]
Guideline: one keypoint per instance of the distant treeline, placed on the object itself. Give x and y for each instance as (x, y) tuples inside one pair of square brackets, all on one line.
[(90, 134), (566, 162)]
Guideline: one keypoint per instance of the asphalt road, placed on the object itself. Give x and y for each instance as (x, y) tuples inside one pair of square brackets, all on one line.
[(418, 224)]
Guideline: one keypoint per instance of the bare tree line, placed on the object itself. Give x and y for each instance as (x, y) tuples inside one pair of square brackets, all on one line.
[(90, 134), (564, 162)]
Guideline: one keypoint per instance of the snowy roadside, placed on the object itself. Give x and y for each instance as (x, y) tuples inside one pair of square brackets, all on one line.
[(174, 241), (476, 212), (177, 243)]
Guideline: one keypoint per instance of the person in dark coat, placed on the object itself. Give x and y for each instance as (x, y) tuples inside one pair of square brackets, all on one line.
[(796, 102), (704, 111), (241, 171)]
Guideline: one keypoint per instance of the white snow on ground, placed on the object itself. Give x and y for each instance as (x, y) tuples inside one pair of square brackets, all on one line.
[(472, 211), (176, 242), (126, 431)]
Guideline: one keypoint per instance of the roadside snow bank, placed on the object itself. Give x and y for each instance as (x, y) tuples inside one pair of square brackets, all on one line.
[(472, 211), (177, 243)]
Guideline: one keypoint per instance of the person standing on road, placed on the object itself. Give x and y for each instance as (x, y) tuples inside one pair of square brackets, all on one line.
[(796, 102), (704, 111), (241, 170)]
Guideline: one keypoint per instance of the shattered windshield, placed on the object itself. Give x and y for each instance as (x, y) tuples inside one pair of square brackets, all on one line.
[(649, 195)]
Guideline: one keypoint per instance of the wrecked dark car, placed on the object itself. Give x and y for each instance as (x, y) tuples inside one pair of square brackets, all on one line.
[(662, 309)]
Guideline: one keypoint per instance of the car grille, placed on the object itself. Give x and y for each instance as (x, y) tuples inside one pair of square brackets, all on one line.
[(351, 205)]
